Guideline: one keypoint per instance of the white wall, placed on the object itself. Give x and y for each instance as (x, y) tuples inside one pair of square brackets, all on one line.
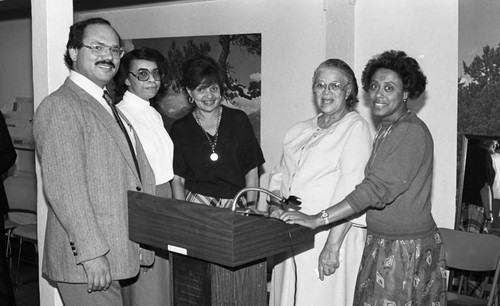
[(340, 25), (15, 76), (428, 31)]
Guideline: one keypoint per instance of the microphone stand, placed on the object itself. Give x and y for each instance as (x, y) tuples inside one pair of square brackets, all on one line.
[(284, 203)]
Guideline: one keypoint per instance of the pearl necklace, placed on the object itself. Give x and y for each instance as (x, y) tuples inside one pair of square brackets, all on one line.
[(214, 156)]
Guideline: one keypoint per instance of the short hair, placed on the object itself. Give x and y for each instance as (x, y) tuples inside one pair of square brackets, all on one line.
[(487, 143), (143, 53), (202, 69), (342, 66), (407, 68), (76, 32)]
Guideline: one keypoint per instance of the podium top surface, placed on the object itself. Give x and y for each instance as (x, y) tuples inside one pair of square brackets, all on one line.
[(209, 233)]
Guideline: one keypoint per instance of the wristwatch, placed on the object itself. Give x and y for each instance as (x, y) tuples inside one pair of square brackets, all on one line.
[(324, 216)]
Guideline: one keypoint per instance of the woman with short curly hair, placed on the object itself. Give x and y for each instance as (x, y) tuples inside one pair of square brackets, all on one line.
[(403, 258)]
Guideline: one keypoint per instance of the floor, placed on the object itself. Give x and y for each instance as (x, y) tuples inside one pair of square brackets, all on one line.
[(27, 292)]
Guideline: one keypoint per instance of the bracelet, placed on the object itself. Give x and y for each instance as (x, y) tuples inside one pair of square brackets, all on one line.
[(324, 216)]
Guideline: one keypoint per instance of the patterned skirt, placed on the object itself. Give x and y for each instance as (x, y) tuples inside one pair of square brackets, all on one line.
[(212, 201), (402, 272)]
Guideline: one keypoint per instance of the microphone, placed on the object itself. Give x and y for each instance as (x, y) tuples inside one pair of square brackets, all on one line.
[(292, 202)]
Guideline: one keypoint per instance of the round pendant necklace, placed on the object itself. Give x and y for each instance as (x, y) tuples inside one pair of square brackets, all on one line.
[(213, 156)]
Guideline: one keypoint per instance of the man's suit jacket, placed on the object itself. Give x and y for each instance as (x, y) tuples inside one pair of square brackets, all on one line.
[(7, 159), (87, 168)]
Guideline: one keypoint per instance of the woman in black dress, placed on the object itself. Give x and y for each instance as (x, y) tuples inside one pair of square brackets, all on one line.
[(216, 153)]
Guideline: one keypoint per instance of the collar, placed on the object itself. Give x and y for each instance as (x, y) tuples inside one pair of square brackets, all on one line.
[(135, 101), (90, 87)]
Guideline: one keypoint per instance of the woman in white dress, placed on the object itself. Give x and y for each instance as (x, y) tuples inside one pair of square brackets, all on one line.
[(139, 80), (323, 159)]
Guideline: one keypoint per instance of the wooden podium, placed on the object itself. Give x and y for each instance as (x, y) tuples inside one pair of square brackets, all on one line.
[(218, 256)]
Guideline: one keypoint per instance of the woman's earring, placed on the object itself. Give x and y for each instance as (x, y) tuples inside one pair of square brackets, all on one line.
[(190, 100)]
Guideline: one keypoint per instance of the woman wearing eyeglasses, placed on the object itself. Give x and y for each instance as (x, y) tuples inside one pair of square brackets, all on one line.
[(403, 259), (139, 79), (216, 151), (323, 160)]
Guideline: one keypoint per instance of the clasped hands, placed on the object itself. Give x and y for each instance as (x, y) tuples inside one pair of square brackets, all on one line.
[(287, 210), (296, 217)]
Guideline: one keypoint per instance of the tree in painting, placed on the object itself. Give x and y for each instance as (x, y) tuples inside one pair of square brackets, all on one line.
[(239, 93), (251, 43)]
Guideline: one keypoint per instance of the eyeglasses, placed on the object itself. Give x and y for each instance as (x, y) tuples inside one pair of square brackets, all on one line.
[(144, 74), (100, 50), (333, 86)]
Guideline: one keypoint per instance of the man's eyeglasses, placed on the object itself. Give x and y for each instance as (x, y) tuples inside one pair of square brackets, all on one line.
[(100, 50), (144, 74), (333, 86)]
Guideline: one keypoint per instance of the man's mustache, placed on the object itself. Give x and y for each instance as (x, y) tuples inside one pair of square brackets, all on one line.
[(106, 63)]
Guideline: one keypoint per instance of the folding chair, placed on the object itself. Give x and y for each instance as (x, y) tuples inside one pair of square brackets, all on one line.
[(476, 253), (21, 222)]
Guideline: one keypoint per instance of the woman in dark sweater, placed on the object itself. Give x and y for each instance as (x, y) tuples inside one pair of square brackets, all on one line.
[(216, 153), (403, 258)]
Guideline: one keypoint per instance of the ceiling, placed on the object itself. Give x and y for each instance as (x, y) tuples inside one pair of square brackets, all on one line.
[(20, 9)]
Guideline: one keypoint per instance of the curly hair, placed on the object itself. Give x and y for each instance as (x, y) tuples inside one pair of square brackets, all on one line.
[(76, 33), (342, 66), (414, 80), (143, 53)]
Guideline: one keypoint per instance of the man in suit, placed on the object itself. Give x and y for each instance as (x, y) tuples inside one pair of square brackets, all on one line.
[(88, 163), (7, 158)]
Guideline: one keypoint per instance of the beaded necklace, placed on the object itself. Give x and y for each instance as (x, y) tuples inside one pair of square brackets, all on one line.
[(214, 156)]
